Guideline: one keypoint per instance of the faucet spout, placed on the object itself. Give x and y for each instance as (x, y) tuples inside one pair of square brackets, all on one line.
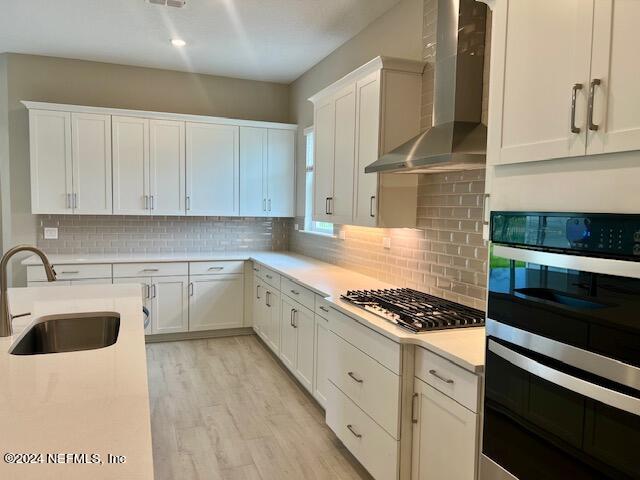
[(6, 328)]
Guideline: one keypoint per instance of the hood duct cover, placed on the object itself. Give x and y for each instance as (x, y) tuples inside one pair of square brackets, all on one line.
[(458, 140)]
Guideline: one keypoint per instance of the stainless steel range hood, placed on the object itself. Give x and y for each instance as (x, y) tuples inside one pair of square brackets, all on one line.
[(457, 141)]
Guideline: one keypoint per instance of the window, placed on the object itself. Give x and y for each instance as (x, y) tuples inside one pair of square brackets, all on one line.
[(309, 224)]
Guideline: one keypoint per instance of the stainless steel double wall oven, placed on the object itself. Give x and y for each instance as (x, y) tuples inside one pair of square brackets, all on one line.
[(562, 385)]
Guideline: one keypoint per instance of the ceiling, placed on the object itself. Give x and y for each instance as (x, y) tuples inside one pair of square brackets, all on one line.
[(270, 40)]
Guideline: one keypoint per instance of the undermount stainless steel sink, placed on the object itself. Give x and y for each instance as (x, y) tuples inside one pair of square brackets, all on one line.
[(69, 333)]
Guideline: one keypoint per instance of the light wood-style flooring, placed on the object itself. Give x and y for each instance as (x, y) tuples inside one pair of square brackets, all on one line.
[(224, 408)]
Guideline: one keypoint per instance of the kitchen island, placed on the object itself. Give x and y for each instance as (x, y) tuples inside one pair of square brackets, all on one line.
[(75, 412)]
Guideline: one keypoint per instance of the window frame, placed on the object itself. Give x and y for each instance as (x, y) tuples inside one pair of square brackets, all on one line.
[(311, 226)]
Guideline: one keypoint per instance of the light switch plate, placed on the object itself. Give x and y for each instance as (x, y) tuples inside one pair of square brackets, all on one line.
[(50, 233), (386, 242), (342, 235)]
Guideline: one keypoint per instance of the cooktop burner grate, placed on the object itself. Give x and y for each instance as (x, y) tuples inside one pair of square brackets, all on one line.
[(415, 311)]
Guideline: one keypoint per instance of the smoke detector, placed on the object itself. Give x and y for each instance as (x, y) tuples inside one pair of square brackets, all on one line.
[(169, 3)]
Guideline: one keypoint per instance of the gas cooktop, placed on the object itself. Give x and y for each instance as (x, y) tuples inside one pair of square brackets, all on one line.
[(415, 311)]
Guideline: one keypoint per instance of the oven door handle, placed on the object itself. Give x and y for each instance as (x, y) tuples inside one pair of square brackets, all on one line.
[(596, 392), (605, 266)]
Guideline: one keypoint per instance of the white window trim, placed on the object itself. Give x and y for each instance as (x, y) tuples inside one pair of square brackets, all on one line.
[(310, 226)]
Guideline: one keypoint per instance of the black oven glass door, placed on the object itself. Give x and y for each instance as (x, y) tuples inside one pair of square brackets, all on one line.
[(570, 299), (543, 421)]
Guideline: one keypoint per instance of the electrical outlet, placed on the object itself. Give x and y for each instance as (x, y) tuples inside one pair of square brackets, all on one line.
[(50, 233), (295, 227), (386, 242), (342, 235)]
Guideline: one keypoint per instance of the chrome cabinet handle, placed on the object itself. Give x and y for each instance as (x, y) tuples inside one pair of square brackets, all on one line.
[(191, 289), (574, 94), (152, 202), (592, 94), (355, 434), (330, 205), (150, 269), (69, 201), (269, 277), (258, 292), (324, 309), (269, 205), (75, 200), (146, 291), (153, 290), (353, 376), (256, 269), (268, 299), (216, 268), (371, 214), (326, 206), (69, 271), (450, 381), (414, 419), (188, 201), (295, 292), (146, 202), (295, 318), (264, 204), (291, 317)]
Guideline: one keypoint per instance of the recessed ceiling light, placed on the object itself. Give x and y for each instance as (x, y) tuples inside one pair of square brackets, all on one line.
[(178, 42)]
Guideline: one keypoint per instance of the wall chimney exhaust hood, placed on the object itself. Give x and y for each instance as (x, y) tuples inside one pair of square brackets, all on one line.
[(458, 140)]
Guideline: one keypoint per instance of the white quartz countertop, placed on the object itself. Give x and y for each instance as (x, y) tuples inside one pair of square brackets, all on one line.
[(465, 346), (85, 402)]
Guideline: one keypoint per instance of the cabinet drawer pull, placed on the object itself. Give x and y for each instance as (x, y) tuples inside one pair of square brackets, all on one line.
[(295, 292), (450, 381), (69, 271), (150, 269), (256, 269), (592, 94), (353, 376), (216, 268), (324, 309), (414, 419), (355, 434), (574, 94), (269, 276)]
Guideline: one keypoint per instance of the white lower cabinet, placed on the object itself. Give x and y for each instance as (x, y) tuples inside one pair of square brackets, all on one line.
[(444, 438), (322, 355), (297, 331), (215, 302), (271, 319), (288, 334), (170, 304), (145, 285)]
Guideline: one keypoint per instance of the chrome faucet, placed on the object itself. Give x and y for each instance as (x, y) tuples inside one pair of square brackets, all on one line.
[(6, 328)]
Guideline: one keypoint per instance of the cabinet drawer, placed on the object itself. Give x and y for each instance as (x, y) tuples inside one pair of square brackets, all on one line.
[(448, 378), (323, 306), (150, 269), (384, 350), (299, 293), (35, 273), (372, 387), (364, 438), (269, 276), (213, 268)]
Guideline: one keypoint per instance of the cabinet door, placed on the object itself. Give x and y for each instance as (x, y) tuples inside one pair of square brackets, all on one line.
[(213, 169), (169, 302), (341, 204), (215, 302), (322, 353), (323, 158), (616, 99), (92, 185), (130, 165), (272, 319), (442, 424), (304, 323), (288, 334), (253, 167), (166, 167), (367, 149), (542, 49), (281, 173), (50, 152), (257, 304), (145, 286)]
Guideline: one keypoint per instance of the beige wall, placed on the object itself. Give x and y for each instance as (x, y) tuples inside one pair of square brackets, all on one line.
[(60, 80), (397, 33)]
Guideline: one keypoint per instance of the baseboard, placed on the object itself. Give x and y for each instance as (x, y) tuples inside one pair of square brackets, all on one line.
[(171, 337)]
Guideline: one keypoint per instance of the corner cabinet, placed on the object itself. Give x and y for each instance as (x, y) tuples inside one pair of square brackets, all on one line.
[(367, 113), (570, 91), (267, 172), (103, 161)]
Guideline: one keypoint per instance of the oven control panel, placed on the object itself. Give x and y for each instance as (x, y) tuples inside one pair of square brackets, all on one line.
[(608, 235)]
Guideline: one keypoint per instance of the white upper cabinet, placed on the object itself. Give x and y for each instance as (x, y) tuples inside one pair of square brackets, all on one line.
[(103, 161), (253, 168), (166, 167), (365, 114), (213, 169), (51, 171), (130, 165), (562, 84), (91, 137), (70, 162), (614, 75), (281, 173)]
